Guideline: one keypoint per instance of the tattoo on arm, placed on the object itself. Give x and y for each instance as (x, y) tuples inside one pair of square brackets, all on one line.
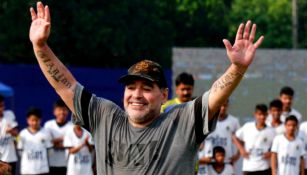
[(54, 71), (225, 81)]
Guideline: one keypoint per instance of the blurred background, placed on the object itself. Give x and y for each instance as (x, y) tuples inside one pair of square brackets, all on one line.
[(98, 40)]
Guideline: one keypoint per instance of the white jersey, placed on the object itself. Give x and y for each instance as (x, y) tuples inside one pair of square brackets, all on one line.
[(79, 163), (303, 136), (7, 146), (8, 114), (284, 115), (280, 129), (289, 154), (58, 157), (34, 158), (256, 143), (222, 136), (228, 170), (294, 112)]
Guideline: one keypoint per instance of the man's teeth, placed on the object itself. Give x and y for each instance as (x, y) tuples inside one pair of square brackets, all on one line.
[(137, 104)]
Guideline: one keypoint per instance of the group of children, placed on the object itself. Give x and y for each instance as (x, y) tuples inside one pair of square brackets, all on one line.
[(58, 148), (274, 143)]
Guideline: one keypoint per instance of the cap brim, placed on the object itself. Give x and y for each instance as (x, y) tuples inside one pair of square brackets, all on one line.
[(128, 78)]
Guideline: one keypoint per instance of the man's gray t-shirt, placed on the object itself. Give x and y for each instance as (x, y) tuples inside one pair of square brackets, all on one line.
[(167, 146)]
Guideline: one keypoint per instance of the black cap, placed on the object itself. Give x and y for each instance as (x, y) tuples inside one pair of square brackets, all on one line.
[(145, 69)]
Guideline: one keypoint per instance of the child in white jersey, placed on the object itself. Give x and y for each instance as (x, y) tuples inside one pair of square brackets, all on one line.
[(34, 143), (8, 132), (254, 141), (219, 167), (79, 144), (288, 151), (275, 114), (57, 128)]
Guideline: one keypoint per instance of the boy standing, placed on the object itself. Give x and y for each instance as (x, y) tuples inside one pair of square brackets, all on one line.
[(8, 130), (275, 114), (57, 128), (34, 143), (287, 151), (80, 148), (254, 141)]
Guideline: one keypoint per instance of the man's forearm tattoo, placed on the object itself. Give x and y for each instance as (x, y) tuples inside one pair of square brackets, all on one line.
[(53, 71), (225, 81)]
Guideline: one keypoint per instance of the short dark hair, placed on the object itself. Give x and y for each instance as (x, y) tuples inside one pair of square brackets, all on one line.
[(291, 118), (218, 149), (287, 91), (59, 103), (1, 98), (261, 107), (34, 111), (276, 103), (184, 78)]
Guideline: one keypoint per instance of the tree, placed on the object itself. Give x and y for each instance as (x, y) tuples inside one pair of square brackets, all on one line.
[(272, 17), (201, 23), (114, 33)]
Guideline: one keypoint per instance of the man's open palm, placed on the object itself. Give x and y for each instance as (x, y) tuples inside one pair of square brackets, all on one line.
[(40, 26), (243, 51)]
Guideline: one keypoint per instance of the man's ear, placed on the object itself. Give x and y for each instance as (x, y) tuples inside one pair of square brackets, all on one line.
[(165, 94)]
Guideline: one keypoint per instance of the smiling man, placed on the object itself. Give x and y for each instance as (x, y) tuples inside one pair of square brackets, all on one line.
[(140, 140)]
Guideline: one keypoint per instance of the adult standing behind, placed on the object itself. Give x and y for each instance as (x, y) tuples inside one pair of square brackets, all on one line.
[(8, 132), (140, 140), (57, 128), (184, 90)]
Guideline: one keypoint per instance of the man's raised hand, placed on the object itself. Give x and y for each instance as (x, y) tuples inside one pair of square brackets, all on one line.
[(40, 26), (243, 51)]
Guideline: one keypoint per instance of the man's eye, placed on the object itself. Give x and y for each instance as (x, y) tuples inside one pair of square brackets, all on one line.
[(130, 87), (147, 88)]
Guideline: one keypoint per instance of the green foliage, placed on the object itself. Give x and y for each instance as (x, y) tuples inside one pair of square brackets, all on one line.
[(114, 33), (273, 18), (201, 23), (117, 33), (302, 11)]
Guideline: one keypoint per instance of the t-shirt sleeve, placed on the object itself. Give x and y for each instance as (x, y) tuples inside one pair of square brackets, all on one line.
[(90, 109), (20, 141), (275, 144), (67, 143), (48, 139), (237, 124), (203, 126), (302, 151), (240, 133)]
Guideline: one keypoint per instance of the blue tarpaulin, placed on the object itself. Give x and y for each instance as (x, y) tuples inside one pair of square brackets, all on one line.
[(6, 90)]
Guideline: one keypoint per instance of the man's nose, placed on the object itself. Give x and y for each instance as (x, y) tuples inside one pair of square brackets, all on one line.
[(137, 93)]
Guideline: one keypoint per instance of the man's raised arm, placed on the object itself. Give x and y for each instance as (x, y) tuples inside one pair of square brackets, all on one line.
[(241, 55), (56, 73)]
